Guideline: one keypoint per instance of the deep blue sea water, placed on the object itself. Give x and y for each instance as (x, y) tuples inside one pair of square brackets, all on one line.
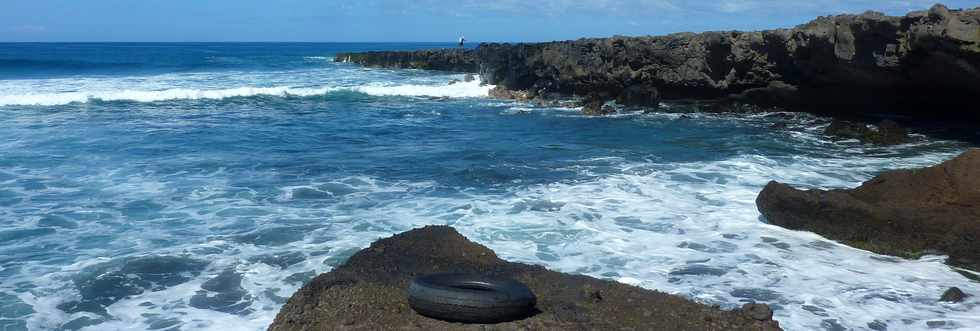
[(197, 186)]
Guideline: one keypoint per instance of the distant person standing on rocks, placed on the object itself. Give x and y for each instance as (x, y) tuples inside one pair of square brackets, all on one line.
[(462, 39)]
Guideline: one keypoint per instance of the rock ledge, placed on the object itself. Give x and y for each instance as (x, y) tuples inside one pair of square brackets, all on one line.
[(368, 293), (904, 212), (925, 64)]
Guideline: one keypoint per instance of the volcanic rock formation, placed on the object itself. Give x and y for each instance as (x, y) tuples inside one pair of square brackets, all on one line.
[(924, 64), (369, 293), (903, 212)]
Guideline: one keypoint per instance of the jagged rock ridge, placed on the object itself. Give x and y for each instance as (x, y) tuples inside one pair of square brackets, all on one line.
[(924, 64)]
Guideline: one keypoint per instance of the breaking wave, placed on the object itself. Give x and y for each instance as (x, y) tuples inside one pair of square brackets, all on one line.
[(458, 90)]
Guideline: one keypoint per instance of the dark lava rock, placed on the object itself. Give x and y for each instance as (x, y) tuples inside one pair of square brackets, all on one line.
[(643, 95), (503, 93), (923, 64), (596, 107), (954, 295), (888, 132), (459, 60), (903, 212), (369, 293), (847, 130)]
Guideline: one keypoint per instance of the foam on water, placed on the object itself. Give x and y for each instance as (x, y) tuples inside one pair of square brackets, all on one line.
[(197, 86), (685, 228), (703, 239), (471, 89), (153, 96), (244, 203)]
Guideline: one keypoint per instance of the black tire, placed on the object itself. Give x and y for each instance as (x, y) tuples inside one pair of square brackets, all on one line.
[(470, 298)]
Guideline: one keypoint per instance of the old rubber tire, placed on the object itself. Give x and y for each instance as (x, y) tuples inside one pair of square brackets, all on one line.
[(470, 298)]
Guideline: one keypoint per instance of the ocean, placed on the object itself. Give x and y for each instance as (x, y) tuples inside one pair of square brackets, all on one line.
[(150, 186)]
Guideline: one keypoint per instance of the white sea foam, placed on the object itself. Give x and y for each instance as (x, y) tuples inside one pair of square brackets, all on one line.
[(471, 89), (684, 228), (53, 92), (53, 99), (688, 228)]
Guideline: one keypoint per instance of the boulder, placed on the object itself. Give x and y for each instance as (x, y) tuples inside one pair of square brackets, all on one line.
[(903, 212), (887, 132), (847, 130), (368, 292), (596, 107), (503, 93), (954, 295)]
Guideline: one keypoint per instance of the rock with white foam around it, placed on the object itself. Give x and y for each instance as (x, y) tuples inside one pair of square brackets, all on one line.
[(906, 213), (369, 293)]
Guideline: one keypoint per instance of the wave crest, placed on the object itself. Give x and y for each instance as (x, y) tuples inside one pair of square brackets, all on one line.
[(459, 90)]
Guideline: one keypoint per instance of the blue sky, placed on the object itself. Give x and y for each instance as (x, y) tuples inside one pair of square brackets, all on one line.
[(408, 20)]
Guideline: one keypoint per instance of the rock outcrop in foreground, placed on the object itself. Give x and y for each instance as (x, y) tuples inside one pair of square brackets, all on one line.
[(904, 213), (924, 64), (369, 293)]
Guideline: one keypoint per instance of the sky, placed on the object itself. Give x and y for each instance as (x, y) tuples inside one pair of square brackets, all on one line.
[(409, 20)]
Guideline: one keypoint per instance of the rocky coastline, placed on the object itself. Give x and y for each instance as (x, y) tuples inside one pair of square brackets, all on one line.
[(368, 292), (923, 65), (919, 67)]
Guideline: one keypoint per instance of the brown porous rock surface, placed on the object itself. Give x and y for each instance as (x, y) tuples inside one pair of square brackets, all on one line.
[(369, 291), (904, 212)]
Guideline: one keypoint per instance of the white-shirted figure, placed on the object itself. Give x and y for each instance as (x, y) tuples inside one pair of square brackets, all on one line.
[(462, 39)]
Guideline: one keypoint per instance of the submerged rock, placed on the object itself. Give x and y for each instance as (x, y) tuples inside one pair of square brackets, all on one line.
[(904, 212), (887, 132), (368, 293), (954, 295)]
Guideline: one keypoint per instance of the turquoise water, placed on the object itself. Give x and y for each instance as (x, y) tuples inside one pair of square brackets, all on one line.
[(197, 186)]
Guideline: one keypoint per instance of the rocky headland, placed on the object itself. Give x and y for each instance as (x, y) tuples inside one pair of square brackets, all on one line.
[(369, 292), (905, 213), (925, 64)]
